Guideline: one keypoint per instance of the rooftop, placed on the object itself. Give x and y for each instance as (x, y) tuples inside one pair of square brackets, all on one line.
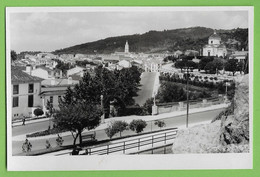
[(19, 76), (215, 36)]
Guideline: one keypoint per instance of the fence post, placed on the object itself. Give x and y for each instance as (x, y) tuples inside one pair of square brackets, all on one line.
[(124, 148), (165, 138), (89, 151), (152, 141), (139, 144), (107, 149), (164, 149)]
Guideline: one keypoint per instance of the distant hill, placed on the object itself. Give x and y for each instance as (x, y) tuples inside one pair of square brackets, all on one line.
[(158, 41)]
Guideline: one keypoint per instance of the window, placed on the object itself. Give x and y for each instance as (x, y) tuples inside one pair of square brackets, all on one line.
[(208, 53), (211, 42), (51, 99), (15, 101), (30, 101), (16, 89), (30, 90)]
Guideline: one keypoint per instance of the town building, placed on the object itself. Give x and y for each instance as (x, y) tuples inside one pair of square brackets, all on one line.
[(76, 69), (239, 55), (125, 64), (54, 89), (215, 47), (152, 65), (44, 72), (25, 93)]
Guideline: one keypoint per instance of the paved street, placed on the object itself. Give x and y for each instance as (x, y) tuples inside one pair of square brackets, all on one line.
[(146, 89), (175, 121)]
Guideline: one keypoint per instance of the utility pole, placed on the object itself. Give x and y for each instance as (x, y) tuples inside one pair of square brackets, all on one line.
[(187, 90)]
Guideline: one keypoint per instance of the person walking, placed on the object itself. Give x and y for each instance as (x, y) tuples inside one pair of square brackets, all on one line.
[(23, 120)]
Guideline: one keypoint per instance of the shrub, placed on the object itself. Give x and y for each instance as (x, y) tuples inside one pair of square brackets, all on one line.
[(38, 112), (115, 127), (160, 123), (137, 125)]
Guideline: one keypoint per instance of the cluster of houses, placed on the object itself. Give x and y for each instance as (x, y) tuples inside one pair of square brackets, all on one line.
[(36, 80)]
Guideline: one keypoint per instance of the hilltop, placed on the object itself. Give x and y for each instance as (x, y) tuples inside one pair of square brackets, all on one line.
[(158, 41)]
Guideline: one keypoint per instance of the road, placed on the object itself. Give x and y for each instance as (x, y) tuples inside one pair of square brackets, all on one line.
[(146, 89), (100, 134)]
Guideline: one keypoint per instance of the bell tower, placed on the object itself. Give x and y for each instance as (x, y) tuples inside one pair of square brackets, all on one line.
[(126, 47)]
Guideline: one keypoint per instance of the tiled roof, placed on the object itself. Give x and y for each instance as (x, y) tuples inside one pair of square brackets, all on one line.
[(19, 76)]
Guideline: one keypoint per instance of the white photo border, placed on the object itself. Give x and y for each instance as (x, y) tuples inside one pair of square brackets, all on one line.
[(128, 162)]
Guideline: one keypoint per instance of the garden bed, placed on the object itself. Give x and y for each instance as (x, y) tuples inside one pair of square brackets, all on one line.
[(45, 132)]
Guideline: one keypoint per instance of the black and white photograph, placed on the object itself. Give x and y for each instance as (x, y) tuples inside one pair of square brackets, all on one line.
[(129, 88)]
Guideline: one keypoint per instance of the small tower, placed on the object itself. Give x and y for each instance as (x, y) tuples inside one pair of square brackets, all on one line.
[(214, 38), (126, 47)]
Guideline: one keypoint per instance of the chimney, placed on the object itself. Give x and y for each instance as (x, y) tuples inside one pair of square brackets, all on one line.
[(69, 80), (28, 69)]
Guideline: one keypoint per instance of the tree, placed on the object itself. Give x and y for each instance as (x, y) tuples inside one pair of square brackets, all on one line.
[(13, 55), (180, 64), (147, 107), (160, 123), (77, 117), (232, 66), (110, 131), (204, 61), (38, 112), (80, 108), (170, 92), (137, 125), (116, 127)]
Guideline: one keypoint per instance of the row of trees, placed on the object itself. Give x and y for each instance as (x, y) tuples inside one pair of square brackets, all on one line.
[(135, 125), (219, 87), (213, 65), (81, 109)]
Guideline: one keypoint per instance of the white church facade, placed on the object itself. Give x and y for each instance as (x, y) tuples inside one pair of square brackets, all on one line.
[(215, 47)]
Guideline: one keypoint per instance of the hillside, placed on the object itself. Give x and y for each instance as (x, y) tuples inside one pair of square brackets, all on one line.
[(158, 41)]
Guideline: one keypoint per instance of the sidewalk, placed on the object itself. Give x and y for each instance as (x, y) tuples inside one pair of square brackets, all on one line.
[(128, 119), (30, 121)]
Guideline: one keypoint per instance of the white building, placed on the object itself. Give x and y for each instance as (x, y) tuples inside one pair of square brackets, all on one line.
[(152, 65), (53, 90), (215, 47), (125, 64), (75, 70), (25, 93), (43, 72), (239, 55)]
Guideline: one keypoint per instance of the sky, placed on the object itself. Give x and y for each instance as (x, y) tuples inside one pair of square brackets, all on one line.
[(49, 31)]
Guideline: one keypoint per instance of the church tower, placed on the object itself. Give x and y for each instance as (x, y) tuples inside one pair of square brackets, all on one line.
[(126, 47)]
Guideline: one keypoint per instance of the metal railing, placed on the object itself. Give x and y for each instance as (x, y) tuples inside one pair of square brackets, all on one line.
[(137, 143)]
